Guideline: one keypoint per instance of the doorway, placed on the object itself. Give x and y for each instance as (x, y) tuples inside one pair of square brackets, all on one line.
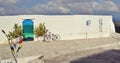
[(28, 30)]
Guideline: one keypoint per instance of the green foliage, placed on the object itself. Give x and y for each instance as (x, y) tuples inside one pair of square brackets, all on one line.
[(40, 30), (16, 32)]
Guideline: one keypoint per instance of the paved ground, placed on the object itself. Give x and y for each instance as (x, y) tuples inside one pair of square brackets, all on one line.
[(57, 48), (99, 55)]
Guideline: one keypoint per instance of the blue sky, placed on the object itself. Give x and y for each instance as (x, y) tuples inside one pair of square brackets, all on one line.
[(60, 7)]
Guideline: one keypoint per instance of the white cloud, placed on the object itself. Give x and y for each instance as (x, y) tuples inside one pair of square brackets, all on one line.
[(6, 2), (51, 7), (106, 6), (63, 7), (77, 6), (64, 10)]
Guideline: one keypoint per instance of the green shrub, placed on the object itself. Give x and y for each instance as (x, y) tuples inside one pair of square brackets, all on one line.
[(17, 31), (40, 30)]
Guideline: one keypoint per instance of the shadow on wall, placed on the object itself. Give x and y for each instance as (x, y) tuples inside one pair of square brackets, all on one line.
[(117, 26), (117, 29), (111, 56)]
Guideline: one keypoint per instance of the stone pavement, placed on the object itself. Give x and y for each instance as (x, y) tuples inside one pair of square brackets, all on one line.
[(109, 54), (56, 48)]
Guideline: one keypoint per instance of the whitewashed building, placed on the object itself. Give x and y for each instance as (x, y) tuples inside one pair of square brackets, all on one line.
[(67, 26)]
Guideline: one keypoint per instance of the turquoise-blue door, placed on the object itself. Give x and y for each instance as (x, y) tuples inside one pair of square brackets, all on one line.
[(28, 30)]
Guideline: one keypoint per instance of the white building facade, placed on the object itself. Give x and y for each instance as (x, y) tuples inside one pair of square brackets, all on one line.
[(67, 26)]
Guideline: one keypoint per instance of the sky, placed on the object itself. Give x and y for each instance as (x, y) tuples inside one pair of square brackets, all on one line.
[(61, 7)]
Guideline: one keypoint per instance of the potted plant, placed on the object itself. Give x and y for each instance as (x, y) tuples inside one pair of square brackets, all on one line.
[(40, 31)]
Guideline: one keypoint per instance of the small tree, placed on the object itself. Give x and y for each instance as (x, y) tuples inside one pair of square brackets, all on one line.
[(17, 32), (40, 30)]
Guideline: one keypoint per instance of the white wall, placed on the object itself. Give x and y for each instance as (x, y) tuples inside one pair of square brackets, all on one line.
[(67, 26)]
